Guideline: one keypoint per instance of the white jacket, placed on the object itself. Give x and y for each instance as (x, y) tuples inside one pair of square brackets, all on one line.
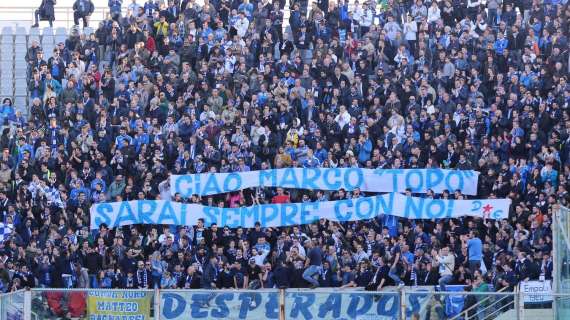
[(367, 18), (410, 30), (241, 26), (434, 14), (473, 3)]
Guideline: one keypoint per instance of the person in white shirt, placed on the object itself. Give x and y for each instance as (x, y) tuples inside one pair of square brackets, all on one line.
[(391, 27), (356, 15), (343, 118), (366, 20), (241, 25), (434, 13), (357, 12), (446, 263), (133, 7), (410, 32)]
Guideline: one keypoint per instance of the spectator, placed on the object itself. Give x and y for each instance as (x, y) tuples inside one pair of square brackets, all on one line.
[(475, 250), (313, 263), (45, 13), (115, 8), (82, 9), (446, 263)]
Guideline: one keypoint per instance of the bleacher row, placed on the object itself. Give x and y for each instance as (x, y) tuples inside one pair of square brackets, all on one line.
[(14, 43)]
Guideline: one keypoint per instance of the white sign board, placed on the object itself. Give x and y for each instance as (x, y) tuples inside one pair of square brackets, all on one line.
[(536, 291)]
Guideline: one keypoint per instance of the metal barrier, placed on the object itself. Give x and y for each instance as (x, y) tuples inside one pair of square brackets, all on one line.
[(487, 306), (77, 303), (561, 258), (324, 303), (12, 305)]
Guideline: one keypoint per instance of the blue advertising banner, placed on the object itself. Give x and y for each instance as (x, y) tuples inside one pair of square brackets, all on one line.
[(368, 180), (298, 305), (116, 214)]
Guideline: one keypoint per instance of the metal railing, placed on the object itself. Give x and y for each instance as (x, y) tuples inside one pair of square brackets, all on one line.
[(496, 305), (12, 305), (561, 256)]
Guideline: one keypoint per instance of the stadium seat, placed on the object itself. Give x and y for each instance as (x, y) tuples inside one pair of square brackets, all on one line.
[(6, 89), (4, 92), (7, 74), (19, 76), (6, 77), (47, 31), (20, 104), (47, 40), (21, 41), (21, 31), (33, 37), (6, 65), (7, 52), (48, 53), (61, 31), (21, 68), (7, 31), (59, 38), (88, 31), (19, 54), (7, 39), (21, 89)]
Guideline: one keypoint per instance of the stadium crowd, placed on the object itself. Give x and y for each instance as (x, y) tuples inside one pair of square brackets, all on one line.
[(176, 87)]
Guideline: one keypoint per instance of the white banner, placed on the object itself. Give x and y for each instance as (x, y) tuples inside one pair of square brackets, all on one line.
[(116, 214), (368, 180), (536, 291)]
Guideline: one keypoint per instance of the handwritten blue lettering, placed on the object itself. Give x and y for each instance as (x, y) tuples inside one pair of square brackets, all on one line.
[(301, 305), (126, 214), (232, 182), (173, 305)]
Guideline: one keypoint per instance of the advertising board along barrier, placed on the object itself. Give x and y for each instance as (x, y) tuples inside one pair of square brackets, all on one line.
[(299, 304)]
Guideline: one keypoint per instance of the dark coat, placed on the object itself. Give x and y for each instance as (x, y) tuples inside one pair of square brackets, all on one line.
[(87, 10), (47, 12)]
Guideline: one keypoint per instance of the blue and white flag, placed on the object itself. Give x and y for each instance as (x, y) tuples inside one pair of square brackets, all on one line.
[(5, 231)]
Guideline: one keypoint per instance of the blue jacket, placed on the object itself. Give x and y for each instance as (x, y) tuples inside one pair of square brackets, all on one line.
[(364, 151), (115, 6), (501, 45)]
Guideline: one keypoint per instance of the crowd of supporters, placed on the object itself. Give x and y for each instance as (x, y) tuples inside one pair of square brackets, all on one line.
[(178, 87)]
